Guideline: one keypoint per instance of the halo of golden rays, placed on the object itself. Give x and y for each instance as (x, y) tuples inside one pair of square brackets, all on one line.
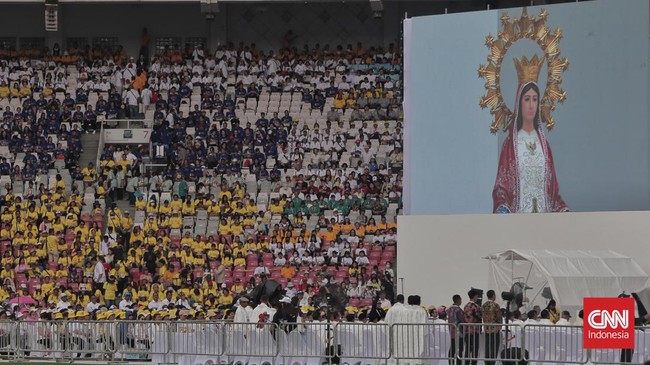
[(524, 27)]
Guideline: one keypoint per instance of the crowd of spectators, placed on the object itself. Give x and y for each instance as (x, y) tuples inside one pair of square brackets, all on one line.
[(309, 196)]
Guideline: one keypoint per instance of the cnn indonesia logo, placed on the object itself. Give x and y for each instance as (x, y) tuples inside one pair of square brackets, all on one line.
[(609, 323)]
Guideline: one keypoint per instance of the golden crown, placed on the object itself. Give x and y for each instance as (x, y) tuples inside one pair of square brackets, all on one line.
[(528, 70)]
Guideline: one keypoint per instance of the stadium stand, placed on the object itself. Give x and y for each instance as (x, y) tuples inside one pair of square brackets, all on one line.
[(287, 165)]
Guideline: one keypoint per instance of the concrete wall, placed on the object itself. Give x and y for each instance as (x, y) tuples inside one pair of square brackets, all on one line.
[(439, 256)]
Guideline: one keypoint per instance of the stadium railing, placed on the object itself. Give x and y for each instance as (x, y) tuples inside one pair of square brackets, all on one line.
[(215, 342)]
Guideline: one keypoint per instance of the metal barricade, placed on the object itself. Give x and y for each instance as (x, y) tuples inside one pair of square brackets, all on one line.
[(250, 343), (362, 343), (43, 339), (638, 356), (489, 343), (140, 340), (429, 343), (305, 343), (555, 344), (8, 340)]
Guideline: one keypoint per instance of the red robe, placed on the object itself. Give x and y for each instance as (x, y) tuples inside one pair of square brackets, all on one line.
[(506, 187)]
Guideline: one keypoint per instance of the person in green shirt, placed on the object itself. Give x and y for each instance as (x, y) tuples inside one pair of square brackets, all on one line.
[(182, 188)]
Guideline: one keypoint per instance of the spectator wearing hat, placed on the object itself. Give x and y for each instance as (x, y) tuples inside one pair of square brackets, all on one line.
[(63, 303), (244, 311), (127, 301)]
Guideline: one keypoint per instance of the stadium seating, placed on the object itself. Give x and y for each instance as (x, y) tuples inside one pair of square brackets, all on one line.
[(281, 160)]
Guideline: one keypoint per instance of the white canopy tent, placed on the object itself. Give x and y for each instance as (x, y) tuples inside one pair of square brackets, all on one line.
[(568, 275)]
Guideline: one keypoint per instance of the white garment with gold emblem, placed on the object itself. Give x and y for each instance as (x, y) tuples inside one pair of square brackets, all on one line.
[(531, 165)]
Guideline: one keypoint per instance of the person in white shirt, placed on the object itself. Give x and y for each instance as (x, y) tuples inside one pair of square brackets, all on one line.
[(126, 303), (130, 97), (544, 318), (155, 302), (290, 291), (93, 305), (183, 301), (244, 311), (383, 302), (99, 273), (263, 307), (63, 302), (146, 96), (362, 259), (565, 319), (169, 298)]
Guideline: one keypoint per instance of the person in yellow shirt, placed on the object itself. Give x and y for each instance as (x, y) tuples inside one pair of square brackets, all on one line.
[(15, 90), (89, 174), (25, 90), (136, 235), (189, 207), (140, 203), (236, 227), (240, 261), (176, 204), (175, 222), (251, 207), (4, 90), (165, 208), (213, 253), (275, 207), (110, 291), (226, 298), (329, 235), (224, 227), (151, 224)]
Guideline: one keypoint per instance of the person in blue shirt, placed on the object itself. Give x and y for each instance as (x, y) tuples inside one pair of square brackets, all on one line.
[(287, 120), (161, 104), (78, 115), (8, 114), (5, 167), (331, 90), (113, 110), (318, 102), (222, 166), (41, 102), (306, 96), (228, 103), (185, 91), (275, 174), (59, 152), (101, 106), (240, 90), (82, 96), (231, 114), (206, 104), (207, 92), (90, 120), (68, 101), (173, 99), (262, 122)]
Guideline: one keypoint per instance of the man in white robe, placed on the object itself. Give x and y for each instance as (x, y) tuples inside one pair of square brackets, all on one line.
[(263, 307)]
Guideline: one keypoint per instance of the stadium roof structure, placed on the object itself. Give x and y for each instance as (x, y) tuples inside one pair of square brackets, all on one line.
[(567, 276)]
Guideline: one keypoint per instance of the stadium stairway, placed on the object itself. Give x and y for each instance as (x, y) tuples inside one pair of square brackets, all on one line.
[(89, 144)]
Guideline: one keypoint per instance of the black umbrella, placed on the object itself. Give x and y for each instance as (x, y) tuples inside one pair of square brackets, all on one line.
[(270, 288)]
